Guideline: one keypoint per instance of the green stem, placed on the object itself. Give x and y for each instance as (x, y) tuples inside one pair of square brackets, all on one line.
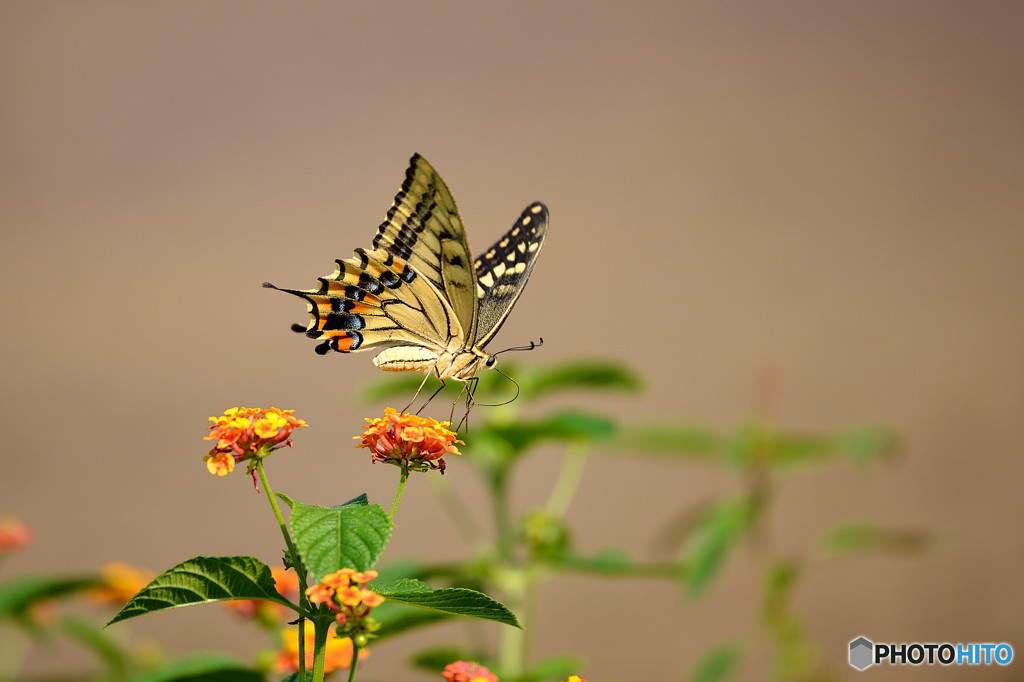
[(355, 661), (300, 570), (401, 489), (568, 480), (321, 628)]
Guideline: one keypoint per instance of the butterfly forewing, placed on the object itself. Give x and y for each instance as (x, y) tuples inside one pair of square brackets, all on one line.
[(423, 227), (503, 269)]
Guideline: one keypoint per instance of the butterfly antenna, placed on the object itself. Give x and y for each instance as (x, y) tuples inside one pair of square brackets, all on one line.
[(507, 401), (532, 345)]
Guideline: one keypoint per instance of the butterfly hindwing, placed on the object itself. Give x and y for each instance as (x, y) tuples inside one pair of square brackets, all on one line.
[(423, 228), (375, 300), (502, 270)]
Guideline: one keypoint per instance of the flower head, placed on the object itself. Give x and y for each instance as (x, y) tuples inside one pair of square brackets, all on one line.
[(575, 678), (121, 582), (464, 671), (345, 593), (418, 442), (339, 651), (14, 534), (243, 433)]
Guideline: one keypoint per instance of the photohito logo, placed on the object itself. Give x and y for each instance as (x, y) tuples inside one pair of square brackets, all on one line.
[(865, 653)]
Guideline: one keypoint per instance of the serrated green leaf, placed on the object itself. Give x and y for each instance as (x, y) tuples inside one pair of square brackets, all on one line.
[(718, 664), (395, 619), (19, 594), (455, 600), (204, 579), (718, 531), (207, 667), (331, 538)]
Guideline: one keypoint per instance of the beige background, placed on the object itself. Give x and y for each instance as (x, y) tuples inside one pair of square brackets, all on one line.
[(832, 189)]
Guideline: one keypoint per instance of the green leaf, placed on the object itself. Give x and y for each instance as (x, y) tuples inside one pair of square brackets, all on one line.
[(88, 635), (207, 667), (605, 375), (436, 658), (455, 600), (332, 538), (718, 664), (18, 595), (553, 668), (395, 619), (666, 437), (718, 531), (866, 537), (569, 425), (204, 579)]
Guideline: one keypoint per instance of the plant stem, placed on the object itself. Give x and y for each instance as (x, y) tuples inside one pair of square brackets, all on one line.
[(300, 570), (401, 489), (568, 480), (321, 628), (355, 661)]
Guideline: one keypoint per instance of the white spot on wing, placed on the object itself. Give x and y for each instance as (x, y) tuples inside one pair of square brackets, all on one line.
[(526, 220), (519, 269), (487, 280), (535, 209)]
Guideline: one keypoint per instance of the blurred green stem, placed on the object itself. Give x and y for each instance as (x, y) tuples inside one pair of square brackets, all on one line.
[(568, 482), (460, 515)]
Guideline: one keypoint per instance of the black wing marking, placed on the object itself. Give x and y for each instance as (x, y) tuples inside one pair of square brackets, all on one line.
[(424, 229), (502, 270)]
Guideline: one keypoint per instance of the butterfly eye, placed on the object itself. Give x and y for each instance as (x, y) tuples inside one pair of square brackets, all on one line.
[(491, 360)]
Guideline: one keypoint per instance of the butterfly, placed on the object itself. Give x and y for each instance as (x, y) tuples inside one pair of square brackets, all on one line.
[(418, 296)]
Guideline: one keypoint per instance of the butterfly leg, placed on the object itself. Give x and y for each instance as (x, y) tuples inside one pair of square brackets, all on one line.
[(415, 395), (470, 388)]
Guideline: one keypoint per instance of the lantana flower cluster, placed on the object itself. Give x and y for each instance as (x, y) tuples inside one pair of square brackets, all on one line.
[(14, 534), (344, 592), (419, 443), (467, 671), (243, 433)]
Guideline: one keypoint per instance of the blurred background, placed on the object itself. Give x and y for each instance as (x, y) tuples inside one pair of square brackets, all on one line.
[(826, 190)]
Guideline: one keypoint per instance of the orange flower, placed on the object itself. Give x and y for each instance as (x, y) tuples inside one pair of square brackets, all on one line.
[(14, 534), (121, 582), (268, 612), (352, 602), (575, 678), (406, 438), (248, 433), (464, 671), (339, 651)]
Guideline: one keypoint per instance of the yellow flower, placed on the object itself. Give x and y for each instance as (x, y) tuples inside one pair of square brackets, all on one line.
[(245, 433), (575, 678), (339, 651), (407, 438), (121, 582)]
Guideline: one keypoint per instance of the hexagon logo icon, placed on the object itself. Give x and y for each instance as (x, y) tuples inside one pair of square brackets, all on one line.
[(861, 653)]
